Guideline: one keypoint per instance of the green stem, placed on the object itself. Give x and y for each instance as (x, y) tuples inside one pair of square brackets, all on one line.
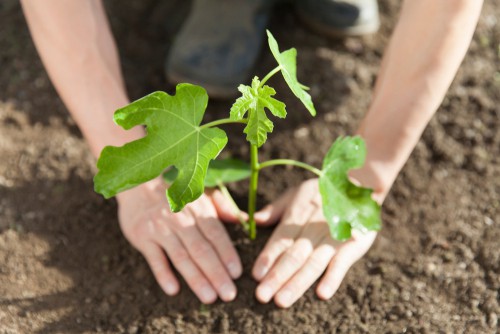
[(236, 209), (252, 191), (269, 75), (223, 121), (277, 162)]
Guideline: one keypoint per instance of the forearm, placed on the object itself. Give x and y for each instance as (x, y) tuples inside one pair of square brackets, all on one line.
[(75, 43), (425, 51)]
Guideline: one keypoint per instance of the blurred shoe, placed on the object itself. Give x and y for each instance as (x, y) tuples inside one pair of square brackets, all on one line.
[(219, 44), (339, 18)]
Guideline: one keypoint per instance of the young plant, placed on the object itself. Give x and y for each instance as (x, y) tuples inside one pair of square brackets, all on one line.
[(177, 139)]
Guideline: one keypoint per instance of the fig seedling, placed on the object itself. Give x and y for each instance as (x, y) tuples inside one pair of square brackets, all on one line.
[(177, 139)]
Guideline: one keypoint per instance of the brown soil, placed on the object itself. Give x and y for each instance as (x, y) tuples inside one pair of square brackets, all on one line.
[(435, 268)]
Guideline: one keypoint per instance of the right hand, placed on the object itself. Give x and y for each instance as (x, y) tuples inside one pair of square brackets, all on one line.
[(194, 240)]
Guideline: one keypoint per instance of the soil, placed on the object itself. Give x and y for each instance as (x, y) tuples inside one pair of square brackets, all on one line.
[(435, 267)]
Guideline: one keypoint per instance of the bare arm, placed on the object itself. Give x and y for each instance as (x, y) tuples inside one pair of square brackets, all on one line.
[(75, 43), (423, 56), (77, 48), (424, 53)]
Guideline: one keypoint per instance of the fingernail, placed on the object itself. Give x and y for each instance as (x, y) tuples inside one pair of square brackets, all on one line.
[(228, 292), (170, 288), (284, 298), (259, 272), (207, 295), (325, 291), (264, 293), (262, 215), (234, 269)]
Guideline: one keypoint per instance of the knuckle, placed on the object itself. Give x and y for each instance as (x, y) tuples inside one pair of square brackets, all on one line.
[(200, 249), (157, 266), (135, 235), (283, 244), (179, 256), (316, 265), (160, 227), (293, 258), (181, 221), (265, 260), (214, 232), (277, 276), (198, 283)]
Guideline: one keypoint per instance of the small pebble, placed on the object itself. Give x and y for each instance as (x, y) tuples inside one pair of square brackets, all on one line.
[(493, 320), (488, 221), (301, 132)]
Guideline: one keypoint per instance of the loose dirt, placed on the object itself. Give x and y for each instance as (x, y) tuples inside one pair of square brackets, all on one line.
[(435, 267)]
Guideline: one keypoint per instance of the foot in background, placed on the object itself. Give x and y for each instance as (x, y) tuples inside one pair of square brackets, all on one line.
[(339, 18), (218, 44)]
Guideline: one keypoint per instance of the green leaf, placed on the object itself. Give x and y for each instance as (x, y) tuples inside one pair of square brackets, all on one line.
[(287, 60), (345, 205), (219, 172), (225, 171), (253, 101), (174, 137)]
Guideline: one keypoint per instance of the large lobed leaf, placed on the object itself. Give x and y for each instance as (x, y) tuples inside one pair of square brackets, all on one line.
[(174, 137), (345, 205), (253, 101), (220, 171), (287, 60)]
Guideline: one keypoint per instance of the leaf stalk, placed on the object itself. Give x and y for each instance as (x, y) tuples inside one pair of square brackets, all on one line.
[(269, 75), (252, 192), (277, 162), (236, 209), (223, 121)]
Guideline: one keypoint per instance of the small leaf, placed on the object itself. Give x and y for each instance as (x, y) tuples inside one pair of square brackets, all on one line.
[(288, 63), (219, 172), (345, 205), (174, 137), (258, 127), (253, 101), (242, 104)]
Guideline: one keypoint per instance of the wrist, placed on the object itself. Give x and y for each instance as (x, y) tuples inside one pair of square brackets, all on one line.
[(143, 190), (376, 179), (109, 134), (98, 127), (386, 155)]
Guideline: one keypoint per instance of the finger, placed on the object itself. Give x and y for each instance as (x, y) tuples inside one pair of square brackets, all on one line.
[(348, 253), (284, 235), (205, 257), (272, 213), (214, 231), (182, 261), (226, 210), (161, 269), (305, 277), (291, 261)]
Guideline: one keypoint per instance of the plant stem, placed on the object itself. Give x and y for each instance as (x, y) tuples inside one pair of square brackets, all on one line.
[(252, 191), (237, 210), (269, 75), (223, 121), (277, 162)]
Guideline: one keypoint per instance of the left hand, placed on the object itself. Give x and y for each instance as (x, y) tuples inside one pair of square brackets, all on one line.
[(301, 249)]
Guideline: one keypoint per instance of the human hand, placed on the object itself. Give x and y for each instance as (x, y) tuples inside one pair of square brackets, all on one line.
[(194, 240), (301, 249)]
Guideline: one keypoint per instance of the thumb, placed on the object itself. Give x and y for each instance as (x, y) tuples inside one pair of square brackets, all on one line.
[(226, 209), (271, 213)]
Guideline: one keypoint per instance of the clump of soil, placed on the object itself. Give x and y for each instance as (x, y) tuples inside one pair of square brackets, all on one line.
[(434, 268)]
